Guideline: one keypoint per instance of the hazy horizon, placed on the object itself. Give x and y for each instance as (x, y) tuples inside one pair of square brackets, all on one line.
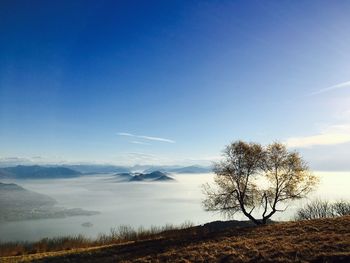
[(131, 203)]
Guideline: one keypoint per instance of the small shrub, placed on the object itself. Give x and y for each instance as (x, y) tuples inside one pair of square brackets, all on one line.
[(323, 209), (341, 208)]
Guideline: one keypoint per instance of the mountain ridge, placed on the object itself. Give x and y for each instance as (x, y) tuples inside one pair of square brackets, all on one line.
[(155, 176), (37, 172)]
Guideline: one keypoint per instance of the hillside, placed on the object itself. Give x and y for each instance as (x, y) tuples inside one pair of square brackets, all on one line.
[(322, 240), (18, 203), (37, 172)]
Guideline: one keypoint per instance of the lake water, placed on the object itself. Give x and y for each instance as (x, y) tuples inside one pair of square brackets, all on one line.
[(138, 204)]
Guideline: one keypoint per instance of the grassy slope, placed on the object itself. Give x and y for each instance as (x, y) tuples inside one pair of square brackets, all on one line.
[(323, 240)]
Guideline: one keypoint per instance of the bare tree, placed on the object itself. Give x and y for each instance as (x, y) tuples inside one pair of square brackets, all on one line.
[(252, 178)]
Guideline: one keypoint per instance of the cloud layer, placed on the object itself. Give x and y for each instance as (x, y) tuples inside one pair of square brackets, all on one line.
[(335, 134)]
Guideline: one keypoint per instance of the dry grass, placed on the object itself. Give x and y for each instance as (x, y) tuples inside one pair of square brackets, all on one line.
[(121, 234), (37, 256), (320, 240)]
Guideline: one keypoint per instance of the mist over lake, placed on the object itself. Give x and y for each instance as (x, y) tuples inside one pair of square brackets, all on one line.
[(137, 203)]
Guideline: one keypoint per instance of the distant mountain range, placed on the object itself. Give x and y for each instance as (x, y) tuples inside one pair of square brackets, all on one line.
[(37, 172), (98, 168), (71, 171), (155, 176), (18, 203), (93, 169), (187, 169)]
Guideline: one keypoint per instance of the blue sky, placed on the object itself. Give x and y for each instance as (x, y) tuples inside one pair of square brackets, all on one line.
[(167, 82)]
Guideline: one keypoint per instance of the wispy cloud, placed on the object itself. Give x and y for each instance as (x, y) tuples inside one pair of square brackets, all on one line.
[(334, 87), (144, 137), (138, 142), (125, 134), (156, 139), (335, 134)]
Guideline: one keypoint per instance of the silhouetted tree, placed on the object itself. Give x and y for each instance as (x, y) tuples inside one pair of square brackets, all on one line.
[(252, 178)]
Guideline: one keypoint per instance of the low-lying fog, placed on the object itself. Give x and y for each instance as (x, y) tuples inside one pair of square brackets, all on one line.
[(137, 204)]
